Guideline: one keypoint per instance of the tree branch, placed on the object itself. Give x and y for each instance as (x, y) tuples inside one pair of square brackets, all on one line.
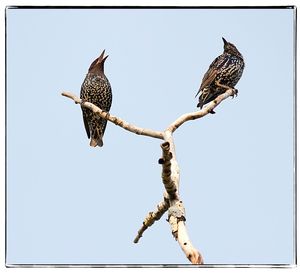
[(117, 121), (162, 207), (170, 172), (176, 212), (199, 114), (186, 245), (169, 184)]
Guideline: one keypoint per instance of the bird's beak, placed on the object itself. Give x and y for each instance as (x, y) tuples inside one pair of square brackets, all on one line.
[(224, 41), (101, 57), (102, 54), (103, 60)]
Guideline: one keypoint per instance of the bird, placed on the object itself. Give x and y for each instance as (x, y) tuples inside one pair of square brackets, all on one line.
[(97, 90), (223, 73)]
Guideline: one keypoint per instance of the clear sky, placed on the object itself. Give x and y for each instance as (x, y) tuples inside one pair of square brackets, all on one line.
[(69, 203)]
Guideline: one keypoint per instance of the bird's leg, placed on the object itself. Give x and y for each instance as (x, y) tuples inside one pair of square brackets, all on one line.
[(235, 91)]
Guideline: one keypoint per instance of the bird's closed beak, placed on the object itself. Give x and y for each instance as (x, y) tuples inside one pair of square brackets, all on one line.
[(224, 41)]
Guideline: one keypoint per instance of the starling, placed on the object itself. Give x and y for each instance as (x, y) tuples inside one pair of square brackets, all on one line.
[(223, 73), (96, 89)]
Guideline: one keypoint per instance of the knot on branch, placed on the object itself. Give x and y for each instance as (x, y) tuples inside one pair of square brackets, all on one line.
[(176, 214), (165, 146), (161, 161), (167, 155), (177, 211)]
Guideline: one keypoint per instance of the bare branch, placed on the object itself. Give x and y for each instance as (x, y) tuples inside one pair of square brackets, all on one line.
[(117, 121), (162, 207), (177, 222), (186, 245), (72, 97), (170, 172), (176, 211), (199, 114), (169, 184), (175, 172)]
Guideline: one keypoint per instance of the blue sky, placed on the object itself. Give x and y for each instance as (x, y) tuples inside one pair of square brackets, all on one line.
[(69, 203)]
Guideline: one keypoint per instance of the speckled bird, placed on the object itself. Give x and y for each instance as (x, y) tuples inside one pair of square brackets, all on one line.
[(223, 73), (97, 90)]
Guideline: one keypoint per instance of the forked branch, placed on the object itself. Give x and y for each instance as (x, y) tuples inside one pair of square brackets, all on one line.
[(170, 171), (147, 132)]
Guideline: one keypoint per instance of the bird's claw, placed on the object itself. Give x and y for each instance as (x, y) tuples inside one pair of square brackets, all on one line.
[(235, 92)]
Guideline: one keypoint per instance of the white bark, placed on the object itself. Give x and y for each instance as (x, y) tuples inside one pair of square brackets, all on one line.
[(170, 173)]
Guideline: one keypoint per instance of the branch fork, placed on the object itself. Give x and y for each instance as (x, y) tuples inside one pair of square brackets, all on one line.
[(170, 172)]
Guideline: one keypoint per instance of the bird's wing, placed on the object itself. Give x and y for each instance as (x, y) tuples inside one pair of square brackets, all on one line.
[(210, 75), (85, 121), (208, 78)]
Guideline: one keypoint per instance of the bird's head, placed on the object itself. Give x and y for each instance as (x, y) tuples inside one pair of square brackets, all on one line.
[(231, 49), (97, 66)]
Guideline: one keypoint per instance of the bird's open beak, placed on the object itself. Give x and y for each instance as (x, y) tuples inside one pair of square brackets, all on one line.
[(101, 57)]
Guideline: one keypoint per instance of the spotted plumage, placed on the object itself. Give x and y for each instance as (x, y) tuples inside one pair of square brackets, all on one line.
[(97, 90), (223, 73)]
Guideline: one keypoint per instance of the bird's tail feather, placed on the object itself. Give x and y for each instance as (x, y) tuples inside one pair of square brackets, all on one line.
[(96, 142), (96, 137), (205, 97), (200, 104), (198, 93)]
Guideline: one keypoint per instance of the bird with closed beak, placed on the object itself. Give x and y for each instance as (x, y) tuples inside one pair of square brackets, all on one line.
[(223, 73)]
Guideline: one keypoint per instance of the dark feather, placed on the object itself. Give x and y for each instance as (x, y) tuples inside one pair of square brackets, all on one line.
[(224, 71), (97, 90), (85, 121)]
